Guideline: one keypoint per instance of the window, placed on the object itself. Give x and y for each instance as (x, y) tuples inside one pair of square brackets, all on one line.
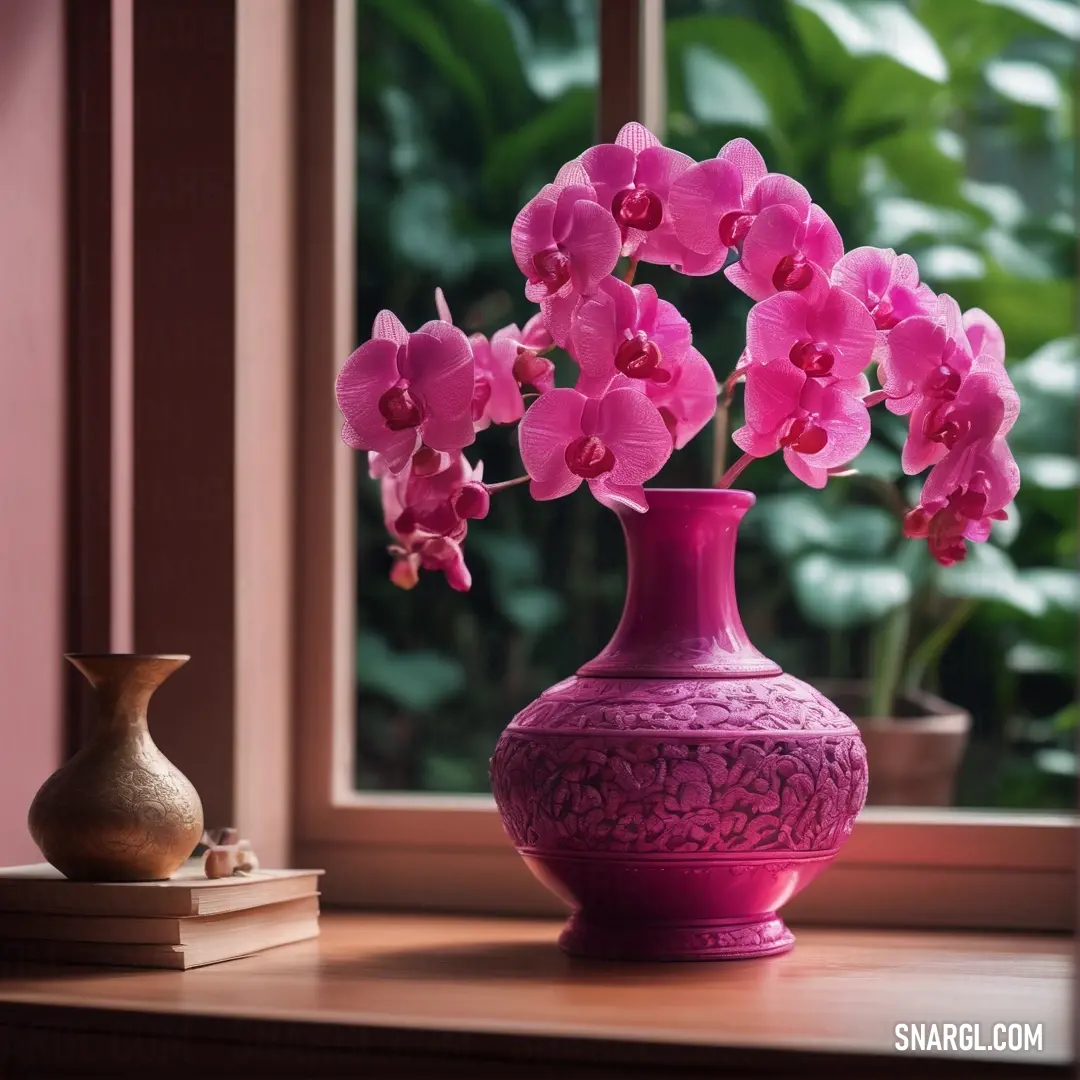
[(832, 109)]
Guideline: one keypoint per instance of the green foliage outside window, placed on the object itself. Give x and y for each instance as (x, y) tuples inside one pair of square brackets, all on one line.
[(944, 129)]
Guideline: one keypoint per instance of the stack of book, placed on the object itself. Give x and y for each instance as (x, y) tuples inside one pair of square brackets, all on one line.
[(182, 923)]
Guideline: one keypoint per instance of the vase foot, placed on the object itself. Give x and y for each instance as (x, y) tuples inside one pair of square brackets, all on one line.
[(722, 939)]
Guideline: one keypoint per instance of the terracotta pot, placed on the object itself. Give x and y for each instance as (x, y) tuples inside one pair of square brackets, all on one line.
[(680, 788), (119, 810), (914, 756)]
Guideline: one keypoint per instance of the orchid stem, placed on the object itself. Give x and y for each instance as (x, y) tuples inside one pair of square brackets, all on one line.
[(491, 488), (631, 270), (733, 473), (720, 435)]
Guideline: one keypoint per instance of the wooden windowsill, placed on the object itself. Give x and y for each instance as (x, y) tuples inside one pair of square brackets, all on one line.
[(441, 996)]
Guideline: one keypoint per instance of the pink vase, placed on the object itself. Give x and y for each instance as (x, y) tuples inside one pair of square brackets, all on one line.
[(680, 788)]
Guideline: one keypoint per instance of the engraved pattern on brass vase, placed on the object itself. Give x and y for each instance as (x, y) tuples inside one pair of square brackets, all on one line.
[(119, 810)]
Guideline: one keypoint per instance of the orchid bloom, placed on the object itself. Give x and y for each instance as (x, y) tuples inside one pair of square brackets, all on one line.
[(565, 243), (628, 330), (886, 283), (819, 423), (927, 356), (715, 203), (427, 516), (400, 390), (687, 401), (632, 177), (626, 336), (785, 250), (615, 442), (985, 406), (963, 495), (509, 358), (834, 339)]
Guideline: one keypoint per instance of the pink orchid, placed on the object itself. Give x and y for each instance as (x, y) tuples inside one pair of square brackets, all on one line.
[(434, 504), (509, 358), (819, 424), (687, 401), (399, 390), (927, 356), (427, 516), (616, 443), (565, 243), (963, 495), (530, 368), (715, 203), (787, 251), (985, 407), (627, 330), (632, 176), (834, 339), (984, 335), (886, 283)]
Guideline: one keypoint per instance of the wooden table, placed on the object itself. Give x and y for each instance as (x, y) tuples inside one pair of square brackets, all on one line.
[(449, 997)]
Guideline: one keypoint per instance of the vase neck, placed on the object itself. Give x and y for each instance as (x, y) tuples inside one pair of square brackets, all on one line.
[(123, 686), (681, 618)]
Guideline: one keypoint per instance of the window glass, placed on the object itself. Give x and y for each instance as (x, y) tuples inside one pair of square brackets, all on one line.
[(939, 129)]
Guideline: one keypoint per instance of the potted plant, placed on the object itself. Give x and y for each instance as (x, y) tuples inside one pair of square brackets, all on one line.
[(681, 787)]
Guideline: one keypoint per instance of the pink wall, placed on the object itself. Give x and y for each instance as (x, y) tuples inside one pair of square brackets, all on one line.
[(32, 303)]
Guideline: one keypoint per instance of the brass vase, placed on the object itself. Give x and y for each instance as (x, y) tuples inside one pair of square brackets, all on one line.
[(119, 810)]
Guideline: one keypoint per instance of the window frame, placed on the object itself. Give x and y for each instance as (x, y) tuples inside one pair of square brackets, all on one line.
[(901, 867)]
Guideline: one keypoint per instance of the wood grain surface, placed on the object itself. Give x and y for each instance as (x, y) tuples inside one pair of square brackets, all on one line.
[(431, 996)]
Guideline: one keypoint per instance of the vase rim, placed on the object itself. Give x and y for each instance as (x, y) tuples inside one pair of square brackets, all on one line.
[(724, 496), (125, 656)]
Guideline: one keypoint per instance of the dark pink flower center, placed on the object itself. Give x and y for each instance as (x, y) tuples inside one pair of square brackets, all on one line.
[(942, 382), (881, 311), (639, 358), (530, 369), (426, 462), (804, 436), (552, 269), (813, 357), (792, 274), (971, 502), (734, 227), (472, 501), (944, 425), (637, 208), (589, 457), (400, 409)]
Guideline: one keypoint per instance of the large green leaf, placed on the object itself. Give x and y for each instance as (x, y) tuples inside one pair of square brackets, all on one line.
[(801, 522), (838, 593), (534, 609), (881, 28), (424, 233), (926, 172), (1060, 16), (418, 681), (1026, 83), (1059, 588), (887, 97), (557, 132), (989, 574), (1052, 369), (480, 35), (719, 92), (1055, 472), (1029, 312), (416, 21), (743, 48)]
